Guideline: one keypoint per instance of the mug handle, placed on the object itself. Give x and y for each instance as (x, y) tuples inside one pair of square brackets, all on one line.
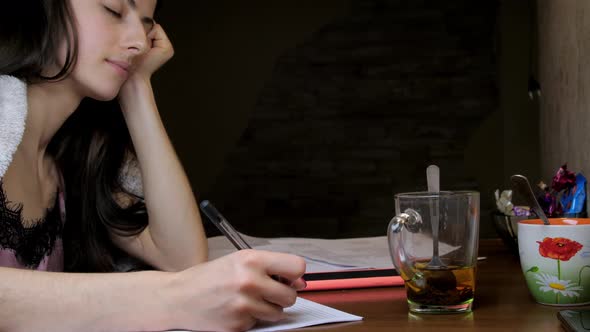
[(411, 220)]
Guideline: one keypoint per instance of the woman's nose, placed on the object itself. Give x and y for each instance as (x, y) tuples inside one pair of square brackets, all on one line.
[(135, 37)]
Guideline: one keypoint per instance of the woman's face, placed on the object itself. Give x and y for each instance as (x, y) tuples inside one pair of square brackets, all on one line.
[(111, 35)]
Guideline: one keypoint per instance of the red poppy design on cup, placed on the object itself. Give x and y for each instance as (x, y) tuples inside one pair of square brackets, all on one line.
[(559, 248)]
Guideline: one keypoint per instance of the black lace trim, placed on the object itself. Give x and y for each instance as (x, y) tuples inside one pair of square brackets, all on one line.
[(30, 244)]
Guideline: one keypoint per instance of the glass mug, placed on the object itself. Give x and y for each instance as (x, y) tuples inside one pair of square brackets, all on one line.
[(442, 282)]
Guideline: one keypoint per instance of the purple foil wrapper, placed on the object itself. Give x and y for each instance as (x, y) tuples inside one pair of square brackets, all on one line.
[(563, 179), (521, 211)]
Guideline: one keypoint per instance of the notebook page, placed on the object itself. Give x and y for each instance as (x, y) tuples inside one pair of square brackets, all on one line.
[(303, 313)]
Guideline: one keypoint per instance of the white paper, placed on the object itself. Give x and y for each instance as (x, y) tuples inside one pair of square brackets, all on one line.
[(306, 313), (323, 255), (303, 313)]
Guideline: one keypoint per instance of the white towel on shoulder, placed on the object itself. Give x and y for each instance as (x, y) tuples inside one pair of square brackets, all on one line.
[(13, 114)]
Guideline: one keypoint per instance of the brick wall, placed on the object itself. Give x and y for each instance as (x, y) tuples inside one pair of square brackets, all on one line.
[(357, 113)]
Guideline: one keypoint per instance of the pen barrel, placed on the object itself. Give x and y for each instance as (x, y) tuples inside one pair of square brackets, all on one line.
[(223, 225)]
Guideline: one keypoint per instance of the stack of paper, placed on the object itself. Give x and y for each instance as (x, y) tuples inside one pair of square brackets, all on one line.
[(323, 255)]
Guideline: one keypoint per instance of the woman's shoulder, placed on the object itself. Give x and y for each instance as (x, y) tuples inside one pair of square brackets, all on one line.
[(13, 112)]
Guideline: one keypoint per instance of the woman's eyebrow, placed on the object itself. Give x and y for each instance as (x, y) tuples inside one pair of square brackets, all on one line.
[(145, 19)]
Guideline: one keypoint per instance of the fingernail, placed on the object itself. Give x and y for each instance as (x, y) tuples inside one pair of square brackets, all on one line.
[(304, 283)]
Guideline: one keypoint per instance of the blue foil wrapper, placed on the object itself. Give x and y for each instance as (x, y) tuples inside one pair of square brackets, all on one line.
[(573, 200)]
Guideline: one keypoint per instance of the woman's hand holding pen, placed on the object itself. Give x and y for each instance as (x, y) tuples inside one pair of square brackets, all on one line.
[(233, 292)]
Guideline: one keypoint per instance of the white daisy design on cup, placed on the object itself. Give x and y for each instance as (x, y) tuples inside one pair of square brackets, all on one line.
[(552, 283)]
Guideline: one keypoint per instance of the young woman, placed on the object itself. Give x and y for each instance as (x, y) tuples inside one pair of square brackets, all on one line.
[(89, 177)]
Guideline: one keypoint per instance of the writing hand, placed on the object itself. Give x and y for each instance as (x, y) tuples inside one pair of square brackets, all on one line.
[(236, 290)]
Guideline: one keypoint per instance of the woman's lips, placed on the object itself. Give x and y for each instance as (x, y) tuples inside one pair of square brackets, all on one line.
[(121, 67)]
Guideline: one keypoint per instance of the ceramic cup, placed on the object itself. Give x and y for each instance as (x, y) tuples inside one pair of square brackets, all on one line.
[(555, 260)]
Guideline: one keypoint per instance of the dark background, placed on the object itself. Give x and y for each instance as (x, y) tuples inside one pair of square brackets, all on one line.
[(303, 118)]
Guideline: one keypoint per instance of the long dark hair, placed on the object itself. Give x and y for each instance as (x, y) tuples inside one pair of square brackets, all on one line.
[(91, 146)]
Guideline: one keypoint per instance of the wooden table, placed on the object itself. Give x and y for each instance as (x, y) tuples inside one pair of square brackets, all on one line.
[(502, 303)]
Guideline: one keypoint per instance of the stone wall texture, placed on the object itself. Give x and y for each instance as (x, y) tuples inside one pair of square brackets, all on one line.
[(356, 113)]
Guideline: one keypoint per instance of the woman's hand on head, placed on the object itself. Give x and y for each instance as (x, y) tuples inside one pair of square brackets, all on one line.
[(233, 292), (159, 51)]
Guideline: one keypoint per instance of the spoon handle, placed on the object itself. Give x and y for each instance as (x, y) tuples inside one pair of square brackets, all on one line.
[(433, 183), (522, 186), (433, 178)]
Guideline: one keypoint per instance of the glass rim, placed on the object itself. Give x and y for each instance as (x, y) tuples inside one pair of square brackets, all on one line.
[(442, 194)]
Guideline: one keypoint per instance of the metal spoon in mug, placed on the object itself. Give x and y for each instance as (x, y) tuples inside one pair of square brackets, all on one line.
[(433, 182), (522, 186)]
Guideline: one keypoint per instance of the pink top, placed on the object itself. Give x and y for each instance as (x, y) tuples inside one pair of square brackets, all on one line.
[(38, 247), (52, 262)]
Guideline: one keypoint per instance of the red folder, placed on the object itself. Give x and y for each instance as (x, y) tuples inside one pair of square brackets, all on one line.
[(362, 278)]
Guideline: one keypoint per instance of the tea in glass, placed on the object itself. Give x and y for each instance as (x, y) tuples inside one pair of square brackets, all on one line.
[(444, 287), (433, 242)]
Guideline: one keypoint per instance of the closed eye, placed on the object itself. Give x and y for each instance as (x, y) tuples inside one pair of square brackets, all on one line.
[(148, 23), (113, 12)]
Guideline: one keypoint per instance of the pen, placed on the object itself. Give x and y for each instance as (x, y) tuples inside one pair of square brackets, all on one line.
[(224, 226), (230, 233)]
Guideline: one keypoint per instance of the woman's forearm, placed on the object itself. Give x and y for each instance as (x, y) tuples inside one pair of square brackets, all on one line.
[(174, 221), (51, 301)]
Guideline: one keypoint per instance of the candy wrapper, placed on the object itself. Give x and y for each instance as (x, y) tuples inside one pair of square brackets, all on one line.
[(548, 201), (505, 206), (567, 195), (563, 179), (573, 199), (503, 201), (522, 211)]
